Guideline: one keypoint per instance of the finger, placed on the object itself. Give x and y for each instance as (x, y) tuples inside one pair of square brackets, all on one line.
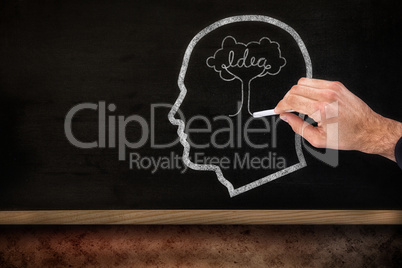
[(304, 91), (312, 134), (320, 84), (309, 92), (299, 104)]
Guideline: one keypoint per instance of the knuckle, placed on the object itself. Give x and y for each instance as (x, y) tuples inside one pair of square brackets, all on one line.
[(291, 91), (301, 80), (329, 95), (294, 89), (280, 104), (319, 107), (316, 142), (313, 141), (335, 85), (338, 83), (286, 95), (291, 98)]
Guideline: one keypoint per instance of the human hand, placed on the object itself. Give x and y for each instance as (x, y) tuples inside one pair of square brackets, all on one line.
[(344, 121)]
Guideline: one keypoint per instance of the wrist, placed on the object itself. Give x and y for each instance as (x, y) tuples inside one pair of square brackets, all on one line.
[(382, 135)]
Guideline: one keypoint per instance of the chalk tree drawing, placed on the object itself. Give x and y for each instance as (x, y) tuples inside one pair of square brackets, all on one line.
[(246, 62), (183, 91)]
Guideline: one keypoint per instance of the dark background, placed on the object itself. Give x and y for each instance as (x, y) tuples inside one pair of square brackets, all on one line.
[(55, 55), (201, 246)]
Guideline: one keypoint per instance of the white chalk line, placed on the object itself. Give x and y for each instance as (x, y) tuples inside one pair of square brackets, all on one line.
[(264, 72), (183, 91)]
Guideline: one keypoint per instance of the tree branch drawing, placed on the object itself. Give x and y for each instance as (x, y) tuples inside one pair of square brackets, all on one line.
[(246, 62)]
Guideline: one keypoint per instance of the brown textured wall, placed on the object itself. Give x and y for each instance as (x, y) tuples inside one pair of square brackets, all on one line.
[(200, 246)]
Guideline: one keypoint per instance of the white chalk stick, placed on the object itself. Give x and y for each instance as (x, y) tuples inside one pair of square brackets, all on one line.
[(267, 113)]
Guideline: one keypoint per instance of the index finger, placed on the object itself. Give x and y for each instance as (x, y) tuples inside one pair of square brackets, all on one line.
[(297, 103), (318, 83)]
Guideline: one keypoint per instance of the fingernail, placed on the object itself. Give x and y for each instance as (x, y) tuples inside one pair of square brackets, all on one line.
[(283, 117)]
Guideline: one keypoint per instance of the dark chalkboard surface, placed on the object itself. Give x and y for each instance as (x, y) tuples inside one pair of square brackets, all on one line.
[(110, 71)]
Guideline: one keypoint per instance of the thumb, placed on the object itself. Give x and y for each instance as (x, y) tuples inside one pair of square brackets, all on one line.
[(304, 129)]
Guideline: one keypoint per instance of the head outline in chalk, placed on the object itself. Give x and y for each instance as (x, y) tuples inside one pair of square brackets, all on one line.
[(272, 64), (183, 91)]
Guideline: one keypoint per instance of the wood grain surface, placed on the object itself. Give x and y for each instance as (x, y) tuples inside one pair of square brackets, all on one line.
[(203, 217)]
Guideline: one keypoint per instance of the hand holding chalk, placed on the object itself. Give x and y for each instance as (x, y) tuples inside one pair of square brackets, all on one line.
[(344, 121), (268, 113)]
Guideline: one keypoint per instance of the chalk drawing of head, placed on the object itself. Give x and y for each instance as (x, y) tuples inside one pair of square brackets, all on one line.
[(246, 62)]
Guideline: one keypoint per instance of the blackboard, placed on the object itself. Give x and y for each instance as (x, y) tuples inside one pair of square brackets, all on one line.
[(79, 78)]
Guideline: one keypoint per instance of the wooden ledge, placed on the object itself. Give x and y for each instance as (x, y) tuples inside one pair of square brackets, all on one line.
[(201, 217)]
